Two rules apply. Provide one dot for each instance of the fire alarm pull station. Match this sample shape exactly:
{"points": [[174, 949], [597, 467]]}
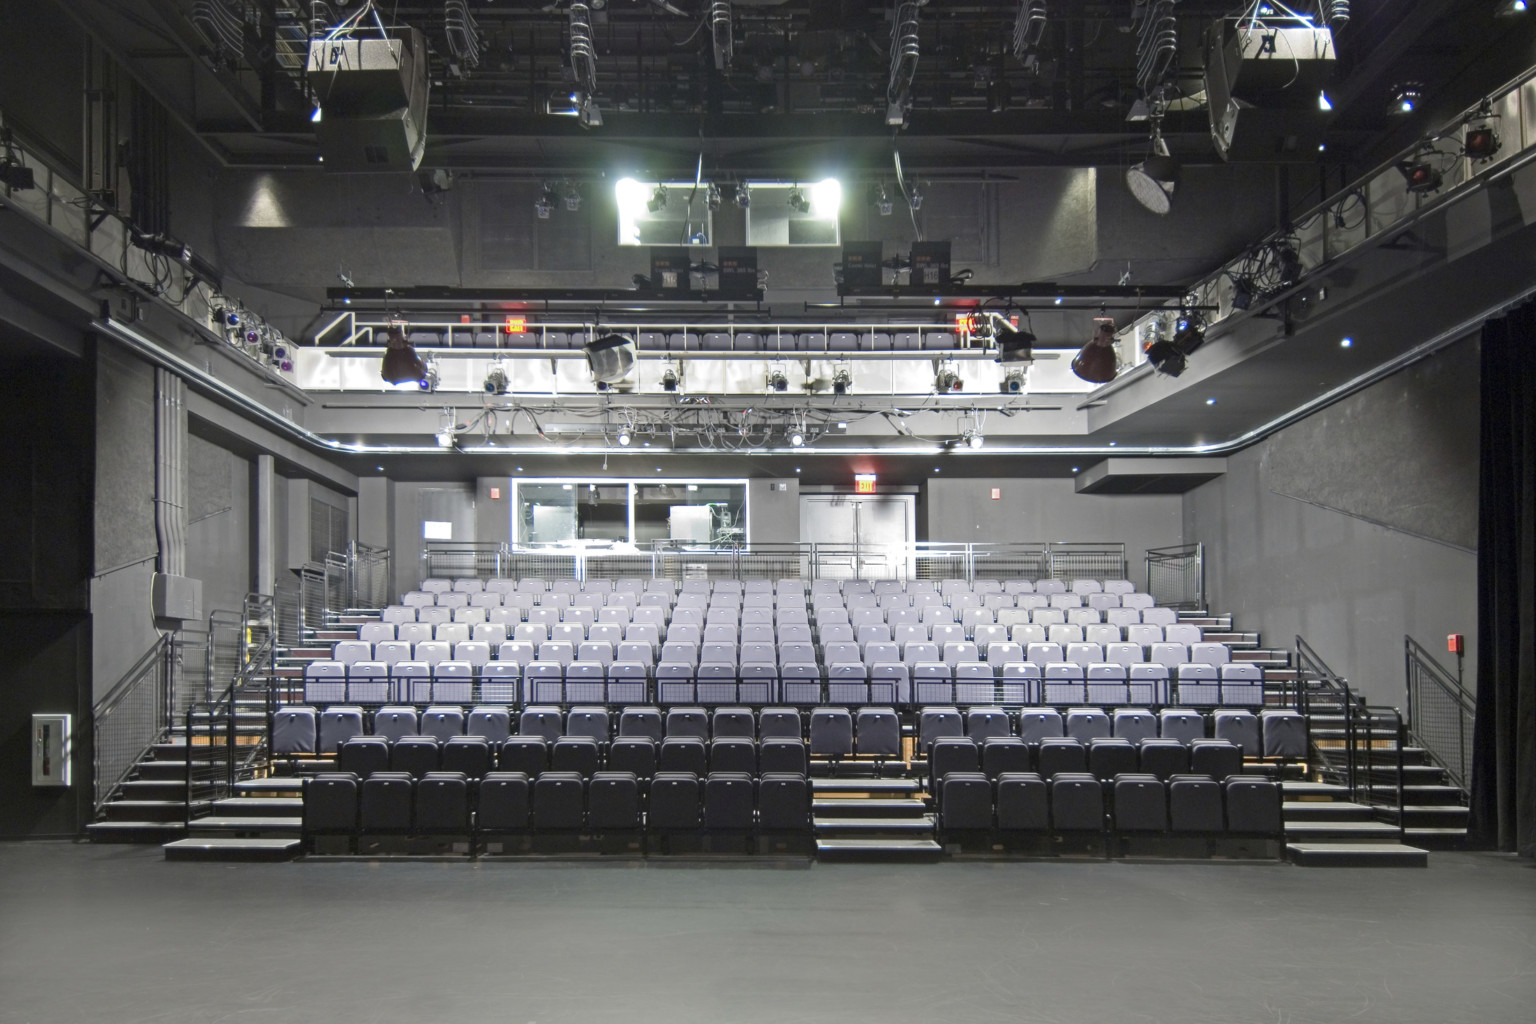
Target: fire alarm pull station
{"points": [[1455, 643], [51, 750]]}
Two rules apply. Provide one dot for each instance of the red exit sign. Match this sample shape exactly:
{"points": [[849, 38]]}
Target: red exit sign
{"points": [[864, 483]]}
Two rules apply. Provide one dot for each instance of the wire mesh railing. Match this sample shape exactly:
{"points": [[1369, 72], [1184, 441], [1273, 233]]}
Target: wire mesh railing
{"points": [[1440, 713], [461, 559], [371, 570], [1176, 576], [218, 752]]}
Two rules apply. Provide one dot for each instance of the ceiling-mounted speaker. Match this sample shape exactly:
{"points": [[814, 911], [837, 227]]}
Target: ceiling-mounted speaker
{"points": [[1262, 86], [373, 97]]}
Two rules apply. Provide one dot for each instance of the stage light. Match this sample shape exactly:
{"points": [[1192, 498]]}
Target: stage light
{"points": [[826, 198], [796, 437], [496, 381], [428, 381], [1346, 342], [915, 198], [777, 381], [1407, 97], [16, 176], [1095, 362], [1242, 292], [1153, 180], [712, 197], [879, 199], [1013, 382], [446, 438], [1171, 355], [610, 357], [572, 196], [842, 380], [401, 364], [545, 204], [670, 379], [974, 439], [743, 196], [1510, 8], [947, 381], [624, 437], [1481, 141], [1014, 345], [658, 200], [797, 201], [1420, 175]]}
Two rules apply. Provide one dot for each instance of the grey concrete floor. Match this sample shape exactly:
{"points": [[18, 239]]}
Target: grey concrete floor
{"points": [[113, 933]]}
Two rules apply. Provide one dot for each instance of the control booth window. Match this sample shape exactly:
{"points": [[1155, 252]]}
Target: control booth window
{"points": [[568, 513], [704, 513]]}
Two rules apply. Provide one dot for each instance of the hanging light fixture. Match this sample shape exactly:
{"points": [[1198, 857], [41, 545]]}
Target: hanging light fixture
{"points": [[1095, 362], [401, 364], [1153, 180]]}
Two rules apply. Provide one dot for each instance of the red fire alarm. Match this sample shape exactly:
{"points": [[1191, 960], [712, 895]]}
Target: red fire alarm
{"points": [[1456, 643], [997, 493], [495, 493]]}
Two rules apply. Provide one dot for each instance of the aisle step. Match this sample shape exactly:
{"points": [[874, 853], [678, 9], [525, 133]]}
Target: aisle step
{"points": [[251, 787], [820, 785], [1349, 831], [893, 849], [854, 807], [248, 823], [828, 825], [258, 806], [1356, 855], [1325, 810], [215, 849], [134, 831]]}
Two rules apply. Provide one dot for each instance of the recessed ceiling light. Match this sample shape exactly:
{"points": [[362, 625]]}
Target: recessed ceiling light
{"points": [[1113, 443], [1346, 342], [658, 469], [1210, 401], [519, 468], [936, 469], [1074, 469], [379, 468], [797, 469]]}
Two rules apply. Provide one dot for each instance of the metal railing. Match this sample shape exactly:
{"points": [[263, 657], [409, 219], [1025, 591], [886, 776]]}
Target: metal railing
{"points": [[216, 757], [1176, 576], [369, 571], [668, 559], [1368, 758], [1440, 713], [131, 718]]}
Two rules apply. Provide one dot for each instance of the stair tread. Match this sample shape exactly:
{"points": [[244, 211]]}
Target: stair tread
{"points": [[1362, 848], [265, 803], [124, 826], [248, 823], [217, 842], [872, 804], [878, 844], [874, 824], [269, 785], [820, 785], [1289, 789], [1361, 827]]}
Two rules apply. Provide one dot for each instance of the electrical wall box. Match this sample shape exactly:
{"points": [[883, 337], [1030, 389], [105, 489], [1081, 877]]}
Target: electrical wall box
{"points": [[51, 750], [176, 597]]}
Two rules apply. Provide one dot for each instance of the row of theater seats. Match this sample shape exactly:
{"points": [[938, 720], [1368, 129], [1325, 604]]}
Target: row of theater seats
{"points": [[970, 802], [533, 755], [447, 803], [789, 652], [831, 732], [1102, 757]]}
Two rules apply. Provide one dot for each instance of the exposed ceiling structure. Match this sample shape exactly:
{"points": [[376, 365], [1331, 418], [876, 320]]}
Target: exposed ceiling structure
{"points": [[766, 88]]}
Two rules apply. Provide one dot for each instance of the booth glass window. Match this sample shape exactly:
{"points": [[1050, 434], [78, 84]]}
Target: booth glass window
{"points": [[568, 513], [704, 513]]}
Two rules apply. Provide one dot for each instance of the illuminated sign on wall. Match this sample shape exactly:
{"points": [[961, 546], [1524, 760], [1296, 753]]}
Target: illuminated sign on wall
{"points": [[864, 483]]}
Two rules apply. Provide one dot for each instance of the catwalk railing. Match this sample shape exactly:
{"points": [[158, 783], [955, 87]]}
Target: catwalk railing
{"points": [[1062, 560], [1366, 757], [1176, 576], [1440, 713]]}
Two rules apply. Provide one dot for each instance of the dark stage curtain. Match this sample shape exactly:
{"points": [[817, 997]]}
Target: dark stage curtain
{"points": [[1504, 741]]}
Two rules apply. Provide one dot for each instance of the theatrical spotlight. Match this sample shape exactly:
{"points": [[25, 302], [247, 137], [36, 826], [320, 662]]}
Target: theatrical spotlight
{"points": [[1014, 344], [947, 381], [1171, 355], [796, 437], [842, 381], [1481, 141], [658, 200], [1013, 382], [712, 197], [915, 198], [670, 379], [1510, 8], [1095, 362], [777, 381], [572, 196], [401, 364], [446, 438], [545, 204], [974, 439], [1407, 97], [880, 199], [1153, 180], [1420, 175], [610, 357], [429, 381], [1242, 292], [624, 437], [496, 381], [797, 201], [743, 196]]}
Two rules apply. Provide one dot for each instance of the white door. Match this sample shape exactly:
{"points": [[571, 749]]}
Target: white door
{"points": [[859, 537]]}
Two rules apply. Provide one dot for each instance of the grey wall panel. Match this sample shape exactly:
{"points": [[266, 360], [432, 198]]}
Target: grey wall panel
{"points": [[963, 510], [1403, 453], [125, 463], [218, 524], [44, 671], [493, 516], [1351, 587], [773, 516], [122, 625]]}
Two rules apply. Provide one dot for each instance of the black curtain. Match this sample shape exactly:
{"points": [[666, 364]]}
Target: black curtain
{"points": [[1504, 741]]}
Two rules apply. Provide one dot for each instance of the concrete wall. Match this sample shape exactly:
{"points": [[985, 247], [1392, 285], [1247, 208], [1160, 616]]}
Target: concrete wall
{"points": [[1284, 562], [219, 524], [962, 510]]}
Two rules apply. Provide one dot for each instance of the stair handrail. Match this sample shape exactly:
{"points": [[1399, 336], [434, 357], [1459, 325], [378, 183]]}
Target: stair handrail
{"points": [[152, 668], [1186, 564], [257, 663], [1426, 680]]}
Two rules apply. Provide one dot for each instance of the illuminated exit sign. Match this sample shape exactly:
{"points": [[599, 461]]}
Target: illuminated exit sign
{"points": [[864, 483], [516, 324]]}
